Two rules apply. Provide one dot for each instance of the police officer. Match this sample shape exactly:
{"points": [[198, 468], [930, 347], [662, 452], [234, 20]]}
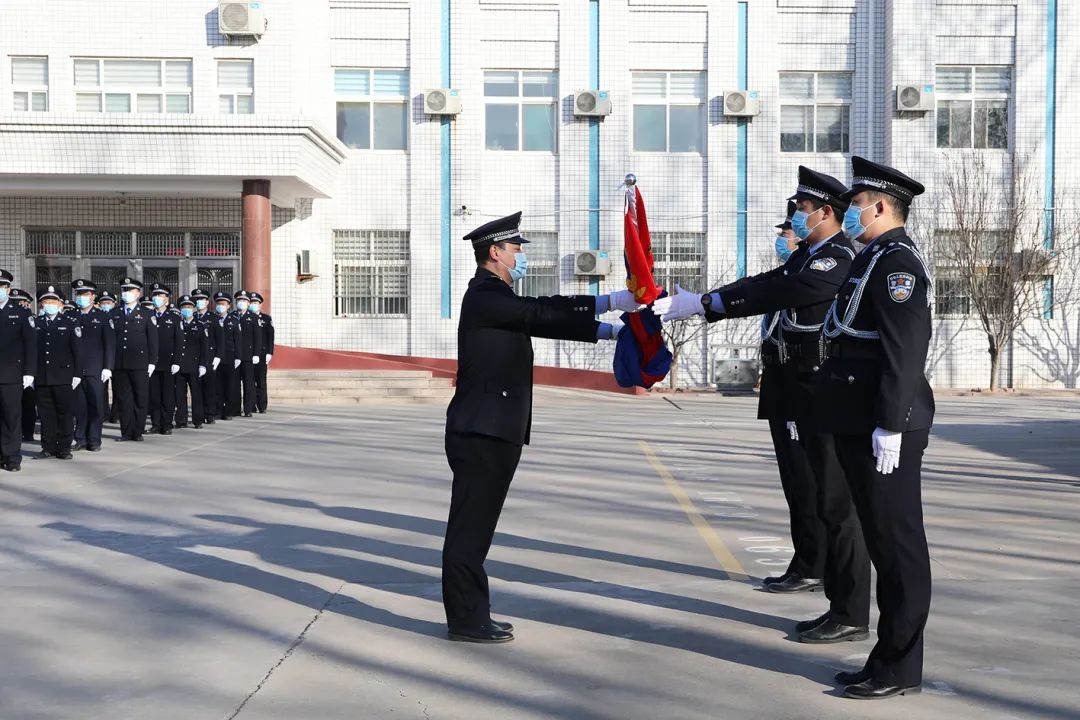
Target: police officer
{"points": [[207, 384], [170, 347], [97, 358], [227, 346], [58, 344], [193, 359], [490, 416], [136, 353], [266, 327], [247, 353], [106, 302], [18, 364], [874, 399], [29, 396]]}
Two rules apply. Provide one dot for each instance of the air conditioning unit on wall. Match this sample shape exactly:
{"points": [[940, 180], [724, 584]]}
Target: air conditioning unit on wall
{"points": [[914, 98], [592, 103], [591, 262], [241, 18], [442, 101], [742, 103]]}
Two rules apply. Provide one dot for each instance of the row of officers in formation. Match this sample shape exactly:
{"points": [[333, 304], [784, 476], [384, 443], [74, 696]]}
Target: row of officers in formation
{"points": [[58, 366]]}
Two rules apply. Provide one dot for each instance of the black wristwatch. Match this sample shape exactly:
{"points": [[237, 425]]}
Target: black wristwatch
{"points": [[706, 302]]}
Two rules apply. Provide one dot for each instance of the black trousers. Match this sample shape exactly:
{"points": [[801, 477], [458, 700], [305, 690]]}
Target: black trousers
{"points": [[208, 391], [162, 399], [11, 423], [29, 413], [890, 509], [483, 468], [225, 374], [260, 386], [55, 403], [800, 491], [188, 382], [132, 389], [89, 410], [243, 378], [847, 564]]}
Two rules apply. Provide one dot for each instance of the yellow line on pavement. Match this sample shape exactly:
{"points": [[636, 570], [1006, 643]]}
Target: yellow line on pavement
{"points": [[720, 551]]}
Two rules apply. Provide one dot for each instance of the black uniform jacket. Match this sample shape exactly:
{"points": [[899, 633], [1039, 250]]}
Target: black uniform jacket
{"points": [[136, 338], [196, 348], [170, 340], [267, 324], [248, 337], [865, 383], [98, 350], [59, 343], [495, 355], [19, 343]]}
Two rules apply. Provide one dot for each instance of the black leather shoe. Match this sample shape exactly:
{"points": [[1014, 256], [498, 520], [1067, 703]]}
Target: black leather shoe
{"points": [[226, 417], [45, 454], [181, 425], [876, 690], [77, 447], [93, 448], [247, 414], [832, 632], [852, 678], [13, 468], [64, 456], [776, 578], [139, 438], [805, 625], [166, 431], [486, 634], [196, 427], [796, 583], [211, 421], [504, 626]]}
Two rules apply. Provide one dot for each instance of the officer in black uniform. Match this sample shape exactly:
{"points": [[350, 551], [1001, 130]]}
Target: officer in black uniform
{"points": [[167, 365], [266, 327], [18, 364], [874, 398], [59, 357], [29, 395], [106, 302], [227, 346], [490, 416], [193, 360], [96, 362], [207, 383], [247, 353], [136, 352]]}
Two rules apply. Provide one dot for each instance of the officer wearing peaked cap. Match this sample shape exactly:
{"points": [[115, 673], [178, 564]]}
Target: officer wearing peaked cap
{"points": [[167, 365], [873, 397], [265, 327], [786, 242], [106, 302], [136, 353], [59, 341], [248, 347], [226, 342], [193, 360], [490, 416], [95, 367], [18, 364], [206, 317]]}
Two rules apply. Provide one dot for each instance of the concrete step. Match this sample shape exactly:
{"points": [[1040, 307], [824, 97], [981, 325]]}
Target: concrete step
{"points": [[345, 383], [347, 374], [357, 387], [359, 392], [338, 400]]}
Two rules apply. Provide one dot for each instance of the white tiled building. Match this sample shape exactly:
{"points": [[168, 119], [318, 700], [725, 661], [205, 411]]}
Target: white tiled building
{"points": [[128, 130]]}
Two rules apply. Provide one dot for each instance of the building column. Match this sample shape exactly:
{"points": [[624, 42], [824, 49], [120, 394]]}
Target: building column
{"points": [[255, 253]]}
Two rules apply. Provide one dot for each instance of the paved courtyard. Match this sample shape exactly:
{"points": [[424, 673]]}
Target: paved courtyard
{"points": [[286, 567]]}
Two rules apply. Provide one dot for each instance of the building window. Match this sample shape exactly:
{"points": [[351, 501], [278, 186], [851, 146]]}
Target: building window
{"points": [[543, 277], [372, 108], [519, 109], [30, 81], [128, 85], [669, 112], [967, 264], [236, 87], [371, 273], [973, 106], [678, 259], [815, 111]]}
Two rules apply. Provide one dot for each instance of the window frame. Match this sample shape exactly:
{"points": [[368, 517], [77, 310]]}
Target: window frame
{"points": [[520, 100], [665, 267], [102, 90], [669, 101], [814, 102], [29, 90], [372, 99], [542, 267], [973, 96], [234, 93], [342, 263]]}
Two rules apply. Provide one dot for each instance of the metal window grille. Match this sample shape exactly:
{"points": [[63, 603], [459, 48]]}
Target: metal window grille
{"points": [[371, 273], [160, 244], [106, 243], [50, 242], [543, 277], [108, 278], [215, 244], [54, 274], [214, 280], [169, 277], [679, 259]]}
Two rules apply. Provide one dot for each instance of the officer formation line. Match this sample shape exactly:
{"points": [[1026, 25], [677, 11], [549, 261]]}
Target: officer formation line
{"points": [[150, 355], [845, 331]]}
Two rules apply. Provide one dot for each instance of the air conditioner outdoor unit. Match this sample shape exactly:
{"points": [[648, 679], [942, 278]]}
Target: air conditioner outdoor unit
{"points": [[742, 103], [592, 103], [914, 98], [241, 18], [591, 262], [442, 101]]}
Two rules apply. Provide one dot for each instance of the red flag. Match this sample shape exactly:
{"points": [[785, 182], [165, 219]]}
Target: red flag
{"points": [[637, 249]]}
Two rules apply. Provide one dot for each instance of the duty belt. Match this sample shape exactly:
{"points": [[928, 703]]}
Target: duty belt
{"points": [[852, 351]]}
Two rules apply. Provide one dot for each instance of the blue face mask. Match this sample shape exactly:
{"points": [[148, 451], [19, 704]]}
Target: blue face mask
{"points": [[200, 304], [158, 300], [521, 266], [51, 309], [83, 301], [128, 296], [255, 307], [222, 309], [799, 226], [853, 226], [782, 250], [242, 306], [106, 306], [187, 313], [4, 294]]}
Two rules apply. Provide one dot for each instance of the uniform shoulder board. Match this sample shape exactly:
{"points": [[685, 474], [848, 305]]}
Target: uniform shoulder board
{"points": [[901, 286], [78, 331], [823, 264]]}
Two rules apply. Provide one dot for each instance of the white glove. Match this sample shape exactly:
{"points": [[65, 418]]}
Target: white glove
{"points": [[886, 450], [27, 381], [202, 370], [623, 301], [217, 361], [106, 375], [236, 363], [793, 430], [173, 369], [680, 305], [268, 356], [149, 370], [75, 382], [254, 359]]}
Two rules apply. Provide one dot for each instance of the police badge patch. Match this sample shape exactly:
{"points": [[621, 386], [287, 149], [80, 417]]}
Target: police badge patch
{"points": [[901, 285], [823, 264]]}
